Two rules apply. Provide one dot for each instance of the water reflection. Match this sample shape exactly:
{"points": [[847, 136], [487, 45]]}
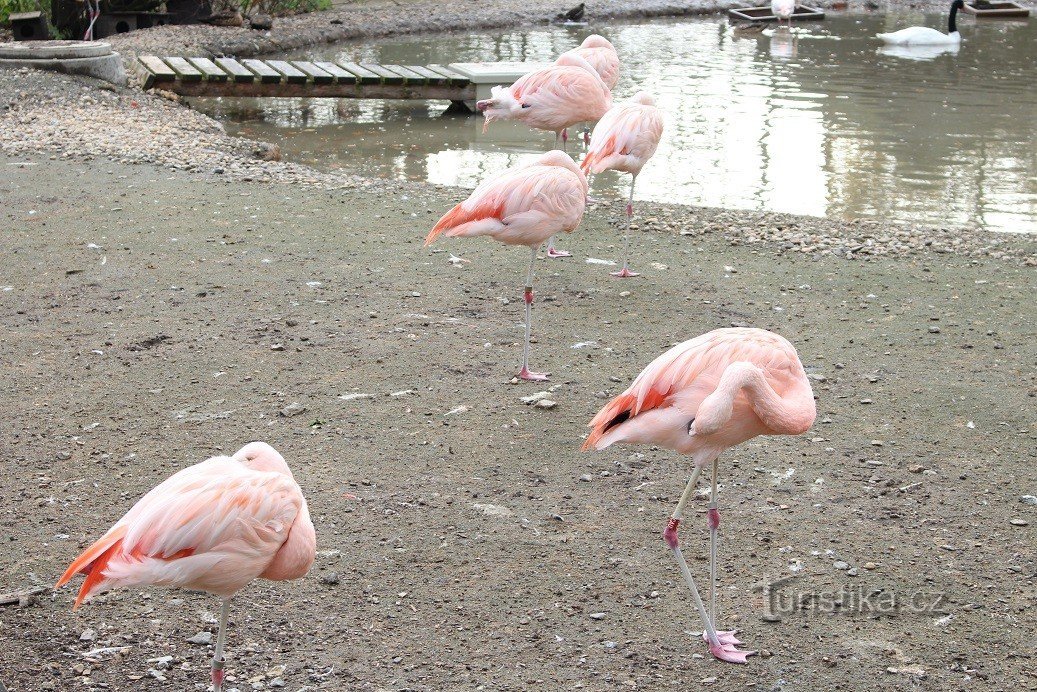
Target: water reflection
{"points": [[813, 122]]}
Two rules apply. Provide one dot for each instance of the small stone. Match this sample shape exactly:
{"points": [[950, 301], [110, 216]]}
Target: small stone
{"points": [[865, 401], [1028, 499], [64, 456], [934, 330], [586, 478], [277, 347], [546, 403], [293, 409], [916, 468], [624, 294], [88, 636], [870, 565], [331, 579], [853, 572], [876, 443], [201, 638], [839, 564], [1019, 522], [770, 617], [597, 616]]}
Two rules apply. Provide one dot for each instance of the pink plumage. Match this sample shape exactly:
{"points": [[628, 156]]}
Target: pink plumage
{"points": [[700, 398], [625, 137], [521, 206], [602, 56], [557, 97]]}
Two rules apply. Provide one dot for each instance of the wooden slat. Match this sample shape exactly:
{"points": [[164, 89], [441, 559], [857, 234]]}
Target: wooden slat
{"points": [[387, 76], [267, 75], [432, 78], [318, 75], [159, 71], [456, 78], [209, 69], [291, 74], [184, 70], [236, 70], [412, 77], [363, 75], [340, 75]]}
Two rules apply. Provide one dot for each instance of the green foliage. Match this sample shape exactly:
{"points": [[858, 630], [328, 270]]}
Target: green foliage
{"points": [[9, 7]]}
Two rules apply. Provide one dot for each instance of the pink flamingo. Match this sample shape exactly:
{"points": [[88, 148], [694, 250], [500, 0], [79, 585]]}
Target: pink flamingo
{"points": [[623, 140], [214, 527], [700, 398], [554, 99], [522, 206], [784, 9], [602, 56]]}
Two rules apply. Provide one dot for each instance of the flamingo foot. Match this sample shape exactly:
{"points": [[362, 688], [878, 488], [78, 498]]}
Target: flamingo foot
{"points": [[555, 254], [624, 273], [530, 376], [726, 648]]}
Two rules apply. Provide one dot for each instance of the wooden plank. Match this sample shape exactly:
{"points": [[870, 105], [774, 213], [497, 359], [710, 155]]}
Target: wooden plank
{"points": [[311, 90], [410, 75], [266, 74], [340, 75], [363, 75], [387, 76], [236, 70], [209, 69], [456, 78], [185, 70], [158, 71], [316, 74], [291, 74], [431, 78]]}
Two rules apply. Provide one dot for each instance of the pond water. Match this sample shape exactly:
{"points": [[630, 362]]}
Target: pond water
{"points": [[822, 122]]}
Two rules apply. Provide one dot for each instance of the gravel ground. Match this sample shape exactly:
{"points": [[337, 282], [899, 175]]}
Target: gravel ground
{"points": [[154, 317]]}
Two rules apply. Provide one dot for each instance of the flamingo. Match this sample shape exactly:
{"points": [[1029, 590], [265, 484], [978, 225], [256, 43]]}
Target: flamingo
{"points": [[213, 527], [700, 398], [623, 140], [524, 205], [553, 99], [602, 56], [783, 9]]}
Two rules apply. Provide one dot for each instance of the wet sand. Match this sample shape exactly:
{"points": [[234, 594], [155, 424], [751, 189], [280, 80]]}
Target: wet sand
{"points": [[462, 549]]}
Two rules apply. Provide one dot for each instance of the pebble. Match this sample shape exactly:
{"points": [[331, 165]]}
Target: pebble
{"points": [[597, 616], [870, 565], [546, 403], [331, 579], [934, 330], [839, 564], [1019, 522], [586, 478], [201, 638], [88, 636], [770, 617], [1028, 499], [293, 409], [277, 347]]}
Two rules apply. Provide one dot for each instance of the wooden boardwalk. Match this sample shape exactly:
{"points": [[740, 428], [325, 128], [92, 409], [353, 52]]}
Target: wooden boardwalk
{"points": [[295, 78]]}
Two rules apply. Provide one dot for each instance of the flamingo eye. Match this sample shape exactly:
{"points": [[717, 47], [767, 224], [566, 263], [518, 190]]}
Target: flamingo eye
{"points": [[690, 423], [525, 105]]}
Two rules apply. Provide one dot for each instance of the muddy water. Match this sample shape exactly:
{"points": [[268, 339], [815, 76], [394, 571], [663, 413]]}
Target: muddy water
{"points": [[820, 122]]}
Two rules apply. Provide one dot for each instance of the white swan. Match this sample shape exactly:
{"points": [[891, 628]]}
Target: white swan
{"points": [[924, 36]]}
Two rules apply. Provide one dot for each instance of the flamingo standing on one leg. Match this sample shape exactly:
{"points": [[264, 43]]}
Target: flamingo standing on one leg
{"points": [[522, 206], [214, 527], [623, 140], [553, 99], [784, 9], [699, 398]]}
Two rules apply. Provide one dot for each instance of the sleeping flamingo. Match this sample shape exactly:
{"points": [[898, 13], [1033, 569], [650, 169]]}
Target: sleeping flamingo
{"points": [[553, 99], [524, 205], [784, 9], [700, 398], [623, 140], [602, 56], [214, 527]]}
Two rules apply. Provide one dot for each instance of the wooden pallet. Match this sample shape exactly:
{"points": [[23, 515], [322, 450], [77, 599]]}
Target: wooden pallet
{"points": [[764, 14], [317, 79], [1006, 9]]}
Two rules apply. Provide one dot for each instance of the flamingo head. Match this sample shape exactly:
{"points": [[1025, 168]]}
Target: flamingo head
{"points": [[259, 456], [643, 98], [596, 41]]}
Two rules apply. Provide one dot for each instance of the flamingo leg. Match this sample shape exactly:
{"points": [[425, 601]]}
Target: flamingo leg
{"points": [[554, 253], [221, 640], [565, 138], [625, 271], [723, 645], [713, 520], [525, 373]]}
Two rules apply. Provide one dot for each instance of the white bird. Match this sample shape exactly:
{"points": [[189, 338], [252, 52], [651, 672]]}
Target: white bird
{"points": [[783, 9], [925, 36]]}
